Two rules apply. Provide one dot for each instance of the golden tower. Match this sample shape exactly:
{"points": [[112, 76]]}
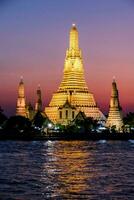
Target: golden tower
{"points": [[115, 115], [73, 87], [21, 104], [38, 105]]}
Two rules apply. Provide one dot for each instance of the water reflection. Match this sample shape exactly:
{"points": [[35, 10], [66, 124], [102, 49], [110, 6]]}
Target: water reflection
{"points": [[66, 170]]}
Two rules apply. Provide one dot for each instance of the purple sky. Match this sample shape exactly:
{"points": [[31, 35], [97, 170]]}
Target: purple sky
{"points": [[34, 37]]}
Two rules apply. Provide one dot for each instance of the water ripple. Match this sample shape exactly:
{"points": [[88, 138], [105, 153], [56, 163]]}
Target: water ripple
{"points": [[66, 170]]}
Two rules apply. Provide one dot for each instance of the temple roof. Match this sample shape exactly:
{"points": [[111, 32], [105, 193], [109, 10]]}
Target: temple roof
{"points": [[67, 105]]}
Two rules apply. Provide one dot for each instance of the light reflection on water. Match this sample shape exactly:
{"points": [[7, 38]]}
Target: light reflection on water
{"points": [[66, 170]]}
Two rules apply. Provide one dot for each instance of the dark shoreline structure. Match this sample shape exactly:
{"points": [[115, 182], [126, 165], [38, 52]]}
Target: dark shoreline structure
{"points": [[82, 128], [66, 135]]}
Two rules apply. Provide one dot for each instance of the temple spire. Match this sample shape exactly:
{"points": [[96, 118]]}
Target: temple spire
{"points": [[38, 105], [74, 38], [21, 78], [21, 105], [115, 115], [73, 76], [73, 87]]}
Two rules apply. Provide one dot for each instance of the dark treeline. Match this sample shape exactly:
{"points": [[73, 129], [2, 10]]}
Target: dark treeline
{"points": [[21, 128]]}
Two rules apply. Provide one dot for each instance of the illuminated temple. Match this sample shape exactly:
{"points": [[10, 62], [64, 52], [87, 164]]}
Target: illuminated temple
{"points": [[24, 109], [73, 95], [21, 102], [115, 115]]}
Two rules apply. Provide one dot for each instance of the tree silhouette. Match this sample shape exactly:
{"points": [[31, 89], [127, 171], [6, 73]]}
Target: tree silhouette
{"points": [[129, 119], [18, 122], [3, 117], [38, 120]]}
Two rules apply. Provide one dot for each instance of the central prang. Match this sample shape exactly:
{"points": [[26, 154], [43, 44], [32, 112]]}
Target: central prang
{"points": [[73, 95]]}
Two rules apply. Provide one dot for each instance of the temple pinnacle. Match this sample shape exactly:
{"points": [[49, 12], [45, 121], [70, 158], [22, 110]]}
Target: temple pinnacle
{"points": [[38, 105], [39, 86], [114, 78], [115, 116], [74, 38], [21, 78], [21, 105]]}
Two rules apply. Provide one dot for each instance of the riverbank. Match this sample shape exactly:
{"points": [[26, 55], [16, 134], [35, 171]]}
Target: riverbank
{"points": [[36, 135]]}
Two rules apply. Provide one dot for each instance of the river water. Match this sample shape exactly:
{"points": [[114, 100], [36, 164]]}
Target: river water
{"points": [[66, 170]]}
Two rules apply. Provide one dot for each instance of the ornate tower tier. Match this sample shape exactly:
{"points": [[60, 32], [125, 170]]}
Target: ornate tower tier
{"points": [[21, 105], [115, 115], [73, 78], [73, 86]]}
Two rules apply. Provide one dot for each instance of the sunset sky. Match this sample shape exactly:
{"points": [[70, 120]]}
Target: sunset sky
{"points": [[34, 36]]}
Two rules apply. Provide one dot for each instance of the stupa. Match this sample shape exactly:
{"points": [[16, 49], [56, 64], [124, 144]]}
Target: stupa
{"points": [[114, 119], [38, 104], [73, 88], [21, 102]]}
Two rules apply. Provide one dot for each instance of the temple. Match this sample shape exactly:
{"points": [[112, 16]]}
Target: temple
{"points": [[73, 96], [114, 119], [38, 105], [26, 109], [21, 102]]}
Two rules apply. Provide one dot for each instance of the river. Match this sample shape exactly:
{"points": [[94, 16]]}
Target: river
{"points": [[41, 170]]}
